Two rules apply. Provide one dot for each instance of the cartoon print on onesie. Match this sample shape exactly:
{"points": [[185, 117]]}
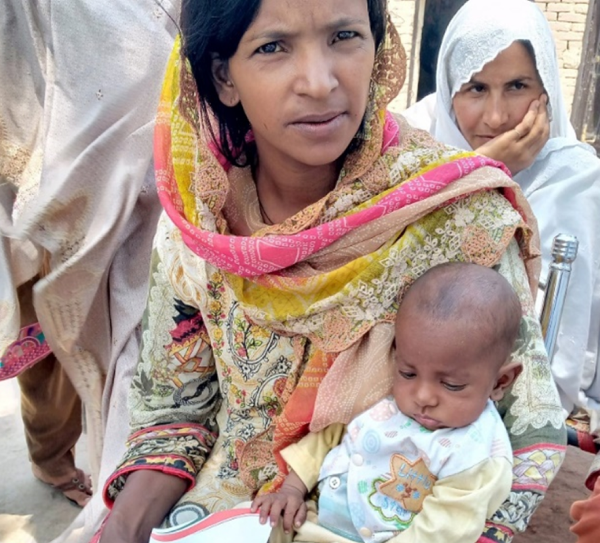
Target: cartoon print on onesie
{"points": [[399, 497]]}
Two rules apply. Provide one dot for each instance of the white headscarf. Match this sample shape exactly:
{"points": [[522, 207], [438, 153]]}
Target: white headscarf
{"points": [[477, 34], [562, 185]]}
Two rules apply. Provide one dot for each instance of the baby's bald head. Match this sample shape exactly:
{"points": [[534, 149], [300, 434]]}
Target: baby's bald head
{"points": [[469, 294]]}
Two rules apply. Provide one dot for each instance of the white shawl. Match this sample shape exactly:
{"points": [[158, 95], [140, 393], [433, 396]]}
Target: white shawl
{"points": [[562, 185]]}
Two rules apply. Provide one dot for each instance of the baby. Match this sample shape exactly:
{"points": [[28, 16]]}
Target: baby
{"points": [[432, 461]]}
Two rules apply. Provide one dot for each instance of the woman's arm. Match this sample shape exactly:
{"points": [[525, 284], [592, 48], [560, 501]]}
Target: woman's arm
{"points": [[173, 401], [532, 414], [567, 201], [134, 515]]}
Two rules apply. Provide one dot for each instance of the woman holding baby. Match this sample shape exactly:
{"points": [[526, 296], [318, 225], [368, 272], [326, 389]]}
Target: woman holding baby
{"points": [[297, 212]]}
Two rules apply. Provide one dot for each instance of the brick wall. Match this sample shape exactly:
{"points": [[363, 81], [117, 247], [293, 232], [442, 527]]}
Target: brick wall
{"points": [[566, 17]]}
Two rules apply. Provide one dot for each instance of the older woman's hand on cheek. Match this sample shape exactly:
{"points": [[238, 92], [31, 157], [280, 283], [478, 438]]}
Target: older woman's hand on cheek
{"points": [[518, 147]]}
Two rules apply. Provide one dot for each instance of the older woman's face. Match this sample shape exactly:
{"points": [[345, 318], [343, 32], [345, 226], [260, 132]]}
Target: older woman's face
{"points": [[497, 98]]}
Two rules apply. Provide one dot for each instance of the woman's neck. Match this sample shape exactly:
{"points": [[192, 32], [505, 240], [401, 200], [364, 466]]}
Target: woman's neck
{"points": [[285, 189]]}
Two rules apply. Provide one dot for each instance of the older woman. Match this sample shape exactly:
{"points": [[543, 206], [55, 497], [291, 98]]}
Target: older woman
{"points": [[497, 69], [296, 212]]}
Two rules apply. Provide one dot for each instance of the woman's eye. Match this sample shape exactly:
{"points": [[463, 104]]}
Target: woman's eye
{"points": [[518, 85], [406, 374], [345, 35], [477, 89], [454, 388], [269, 48]]}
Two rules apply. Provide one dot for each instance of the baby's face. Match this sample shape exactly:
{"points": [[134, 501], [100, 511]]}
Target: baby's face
{"points": [[444, 375]]}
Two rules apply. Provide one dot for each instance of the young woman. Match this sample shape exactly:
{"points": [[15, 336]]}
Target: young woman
{"points": [[495, 73], [296, 211]]}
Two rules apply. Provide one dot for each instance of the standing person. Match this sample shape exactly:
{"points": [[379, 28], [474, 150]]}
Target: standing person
{"points": [[50, 406], [296, 212], [495, 74], [78, 96], [434, 457]]}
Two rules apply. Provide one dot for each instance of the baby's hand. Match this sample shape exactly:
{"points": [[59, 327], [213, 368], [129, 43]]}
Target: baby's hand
{"points": [[519, 147], [288, 501]]}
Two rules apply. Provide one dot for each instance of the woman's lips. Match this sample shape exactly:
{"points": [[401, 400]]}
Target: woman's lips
{"points": [[318, 117], [319, 126]]}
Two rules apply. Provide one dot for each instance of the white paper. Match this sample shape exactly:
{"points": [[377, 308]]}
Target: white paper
{"points": [[232, 526]]}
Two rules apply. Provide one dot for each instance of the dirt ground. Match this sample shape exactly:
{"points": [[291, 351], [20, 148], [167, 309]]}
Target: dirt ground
{"points": [[551, 522]]}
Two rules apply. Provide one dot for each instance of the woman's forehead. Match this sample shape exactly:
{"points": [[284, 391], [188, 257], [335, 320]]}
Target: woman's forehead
{"points": [[514, 62], [482, 29], [289, 17]]}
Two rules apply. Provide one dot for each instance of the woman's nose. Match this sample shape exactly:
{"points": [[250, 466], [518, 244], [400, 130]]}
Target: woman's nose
{"points": [[315, 74], [496, 113]]}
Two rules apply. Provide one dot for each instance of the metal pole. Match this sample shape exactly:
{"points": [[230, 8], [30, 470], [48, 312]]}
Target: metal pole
{"points": [[564, 252]]}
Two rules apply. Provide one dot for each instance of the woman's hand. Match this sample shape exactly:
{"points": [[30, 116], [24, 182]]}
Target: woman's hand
{"points": [[141, 506], [288, 501], [518, 147]]}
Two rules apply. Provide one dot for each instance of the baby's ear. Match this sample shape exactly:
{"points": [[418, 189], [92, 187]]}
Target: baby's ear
{"points": [[226, 90], [506, 377]]}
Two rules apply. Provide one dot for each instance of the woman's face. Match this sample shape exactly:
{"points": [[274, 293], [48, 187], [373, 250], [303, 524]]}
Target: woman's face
{"points": [[497, 98], [302, 73]]}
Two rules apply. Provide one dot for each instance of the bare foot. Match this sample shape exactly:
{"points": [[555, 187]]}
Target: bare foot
{"points": [[77, 488]]}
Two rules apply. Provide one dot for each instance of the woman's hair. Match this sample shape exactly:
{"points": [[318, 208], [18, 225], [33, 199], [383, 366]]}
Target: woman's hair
{"points": [[531, 52], [213, 29], [529, 47]]}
